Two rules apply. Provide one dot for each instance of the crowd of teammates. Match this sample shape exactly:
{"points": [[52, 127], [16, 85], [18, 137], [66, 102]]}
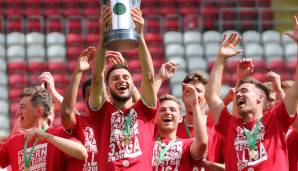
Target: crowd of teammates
{"points": [[124, 128]]}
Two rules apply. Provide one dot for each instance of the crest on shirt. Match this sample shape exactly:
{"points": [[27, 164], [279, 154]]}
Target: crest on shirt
{"points": [[119, 148], [245, 156]]}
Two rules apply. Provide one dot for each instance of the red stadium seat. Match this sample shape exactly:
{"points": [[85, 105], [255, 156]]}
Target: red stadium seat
{"points": [[73, 52], [34, 24], [137, 77], [260, 76], [61, 80], [92, 24], [18, 80], [259, 66], [157, 52], [33, 8], [154, 39], [188, 7], [52, 7], [74, 24], [13, 107], [247, 3], [92, 39], [172, 23], [74, 40], [168, 9], [134, 64], [72, 7], [90, 8], [37, 67], [264, 3], [209, 16], [153, 24], [14, 8], [277, 65], [226, 78], [2, 24], [231, 66], [15, 24], [14, 93], [16, 67], [55, 24], [149, 10], [57, 67]]}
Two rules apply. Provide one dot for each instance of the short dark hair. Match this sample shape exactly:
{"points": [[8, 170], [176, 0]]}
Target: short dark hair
{"points": [[166, 97], [196, 76], [257, 83], [39, 97], [114, 67], [86, 84]]}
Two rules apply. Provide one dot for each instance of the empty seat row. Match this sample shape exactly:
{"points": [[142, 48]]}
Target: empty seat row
{"points": [[33, 38], [35, 53], [212, 36]]}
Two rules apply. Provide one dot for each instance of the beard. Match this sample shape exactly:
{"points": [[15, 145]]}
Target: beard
{"points": [[123, 98]]}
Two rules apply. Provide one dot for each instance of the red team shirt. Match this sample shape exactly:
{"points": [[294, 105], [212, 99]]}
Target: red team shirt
{"points": [[45, 155], [84, 131], [178, 157], [292, 140], [271, 141], [215, 141], [110, 126]]}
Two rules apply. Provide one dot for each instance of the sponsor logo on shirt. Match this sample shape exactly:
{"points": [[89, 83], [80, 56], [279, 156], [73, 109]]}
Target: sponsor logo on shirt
{"points": [[38, 160], [118, 148], [172, 158], [90, 144], [244, 157]]}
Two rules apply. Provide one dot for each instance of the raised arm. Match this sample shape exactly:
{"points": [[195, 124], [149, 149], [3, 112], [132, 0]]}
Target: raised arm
{"points": [[226, 50], [47, 80], [148, 93], [166, 71], [97, 90], [274, 78], [199, 146], [291, 97], [69, 101], [69, 147]]}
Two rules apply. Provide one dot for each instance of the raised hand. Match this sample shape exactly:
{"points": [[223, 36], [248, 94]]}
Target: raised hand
{"points": [[294, 34], [190, 95], [275, 79], [115, 57], [245, 68], [136, 14], [47, 79], [35, 133], [105, 18], [85, 56], [167, 70], [228, 46]]}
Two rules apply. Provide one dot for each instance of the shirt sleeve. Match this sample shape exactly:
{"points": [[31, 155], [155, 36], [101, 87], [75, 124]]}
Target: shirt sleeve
{"points": [[148, 111], [224, 121], [4, 155], [283, 116], [98, 114]]}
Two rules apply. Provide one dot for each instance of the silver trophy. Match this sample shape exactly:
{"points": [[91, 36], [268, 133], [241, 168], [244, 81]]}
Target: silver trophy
{"points": [[121, 35]]}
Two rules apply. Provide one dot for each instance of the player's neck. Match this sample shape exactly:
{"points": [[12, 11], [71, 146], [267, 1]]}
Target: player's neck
{"points": [[249, 117], [123, 104], [168, 134]]}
